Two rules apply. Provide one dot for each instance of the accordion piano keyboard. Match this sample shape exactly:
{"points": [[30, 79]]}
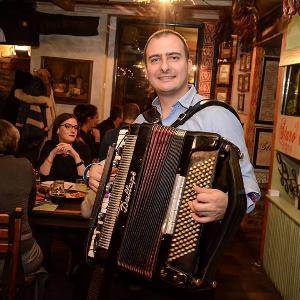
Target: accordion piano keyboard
{"points": [[114, 200]]}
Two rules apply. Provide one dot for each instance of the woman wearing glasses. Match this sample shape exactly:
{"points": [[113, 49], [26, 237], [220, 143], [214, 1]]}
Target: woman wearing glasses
{"points": [[63, 157]]}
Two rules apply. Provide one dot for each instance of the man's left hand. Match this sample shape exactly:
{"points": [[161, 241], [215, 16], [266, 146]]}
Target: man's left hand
{"points": [[210, 205]]}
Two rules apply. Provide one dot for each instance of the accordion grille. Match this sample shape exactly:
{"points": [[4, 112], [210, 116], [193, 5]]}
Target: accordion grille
{"points": [[140, 246], [187, 230]]}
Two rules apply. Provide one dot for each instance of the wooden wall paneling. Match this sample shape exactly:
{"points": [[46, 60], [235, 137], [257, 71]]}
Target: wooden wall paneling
{"points": [[257, 62]]}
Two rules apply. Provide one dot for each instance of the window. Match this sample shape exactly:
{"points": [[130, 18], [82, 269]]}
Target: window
{"points": [[130, 83]]}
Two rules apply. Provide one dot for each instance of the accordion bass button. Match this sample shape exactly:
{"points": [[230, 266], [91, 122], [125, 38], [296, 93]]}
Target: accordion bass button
{"points": [[179, 279], [197, 282], [163, 273]]}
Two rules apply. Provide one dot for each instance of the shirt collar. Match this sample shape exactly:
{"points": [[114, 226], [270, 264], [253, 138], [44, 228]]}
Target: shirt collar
{"points": [[186, 100]]}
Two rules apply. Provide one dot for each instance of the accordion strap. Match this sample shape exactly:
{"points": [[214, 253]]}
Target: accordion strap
{"points": [[152, 115]]}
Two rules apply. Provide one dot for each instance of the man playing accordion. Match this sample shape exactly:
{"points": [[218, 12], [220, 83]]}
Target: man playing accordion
{"points": [[167, 66]]}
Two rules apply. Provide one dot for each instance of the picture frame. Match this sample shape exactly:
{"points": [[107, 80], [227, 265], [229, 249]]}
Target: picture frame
{"points": [[241, 102], [223, 75], [221, 93], [245, 62], [262, 148], [225, 51], [267, 93], [241, 83], [71, 79], [246, 82]]}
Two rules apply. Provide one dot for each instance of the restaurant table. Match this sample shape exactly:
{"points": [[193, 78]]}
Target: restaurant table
{"points": [[67, 214], [65, 224]]}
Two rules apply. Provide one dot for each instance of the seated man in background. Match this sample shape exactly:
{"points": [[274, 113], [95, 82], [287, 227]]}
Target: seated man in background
{"points": [[17, 189], [114, 120], [130, 113]]}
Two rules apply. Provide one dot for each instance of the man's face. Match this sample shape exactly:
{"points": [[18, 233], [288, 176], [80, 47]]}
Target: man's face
{"points": [[167, 66]]}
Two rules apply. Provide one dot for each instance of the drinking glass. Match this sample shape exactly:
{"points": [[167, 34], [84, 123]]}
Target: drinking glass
{"points": [[57, 191], [80, 185], [37, 177]]}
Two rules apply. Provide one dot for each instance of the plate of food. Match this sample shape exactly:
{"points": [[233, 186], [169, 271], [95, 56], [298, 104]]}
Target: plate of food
{"points": [[67, 185], [74, 195]]}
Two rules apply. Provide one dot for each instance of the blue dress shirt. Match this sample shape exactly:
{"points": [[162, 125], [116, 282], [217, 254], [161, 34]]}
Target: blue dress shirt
{"points": [[219, 120]]}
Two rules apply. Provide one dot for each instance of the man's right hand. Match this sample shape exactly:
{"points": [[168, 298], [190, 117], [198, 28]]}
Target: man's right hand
{"points": [[95, 175]]}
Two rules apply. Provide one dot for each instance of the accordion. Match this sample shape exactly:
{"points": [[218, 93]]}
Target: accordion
{"points": [[141, 221]]}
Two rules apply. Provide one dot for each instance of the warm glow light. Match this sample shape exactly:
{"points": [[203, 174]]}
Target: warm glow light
{"points": [[21, 50], [194, 68]]}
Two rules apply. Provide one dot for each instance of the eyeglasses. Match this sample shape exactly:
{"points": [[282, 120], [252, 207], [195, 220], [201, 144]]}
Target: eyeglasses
{"points": [[70, 126]]}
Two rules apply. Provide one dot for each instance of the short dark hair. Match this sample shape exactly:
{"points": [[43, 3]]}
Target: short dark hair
{"points": [[9, 137], [163, 32], [58, 121], [131, 111], [84, 111], [116, 112]]}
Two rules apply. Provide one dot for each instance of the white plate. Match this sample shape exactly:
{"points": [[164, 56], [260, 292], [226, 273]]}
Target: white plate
{"points": [[67, 184]]}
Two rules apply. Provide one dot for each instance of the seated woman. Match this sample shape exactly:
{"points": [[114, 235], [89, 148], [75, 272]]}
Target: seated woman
{"points": [[63, 157], [17, 189], [87, 116]]}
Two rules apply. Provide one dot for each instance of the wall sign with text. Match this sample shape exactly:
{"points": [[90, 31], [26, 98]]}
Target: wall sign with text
{"points": [[262, 148], [288, 136]]}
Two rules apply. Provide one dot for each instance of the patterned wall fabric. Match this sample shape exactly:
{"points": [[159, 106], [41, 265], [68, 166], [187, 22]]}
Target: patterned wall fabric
{"points": [[206, 61]]}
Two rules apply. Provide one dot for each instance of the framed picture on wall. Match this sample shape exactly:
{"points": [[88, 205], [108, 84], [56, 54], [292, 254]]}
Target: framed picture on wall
{"points": [[223, 75], [242, 62], [267, 94], [262, 148], [71, 79], [241, 102], [221, 93], [241, 82], [247, 59], [246, 82], [225, 51]]}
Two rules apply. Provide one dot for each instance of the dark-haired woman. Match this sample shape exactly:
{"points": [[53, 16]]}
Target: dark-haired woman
{"points": [[17, 189], [63, 157], [87, 116]]}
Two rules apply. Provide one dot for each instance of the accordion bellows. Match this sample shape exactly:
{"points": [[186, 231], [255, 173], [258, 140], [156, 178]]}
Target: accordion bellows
{"points": [[142, 223]]}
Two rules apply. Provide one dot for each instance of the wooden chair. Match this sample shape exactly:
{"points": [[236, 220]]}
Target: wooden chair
{"points": [[10, 235]]}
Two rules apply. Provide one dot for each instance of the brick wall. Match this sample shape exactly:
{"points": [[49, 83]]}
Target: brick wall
{"points": [[8, 66]]}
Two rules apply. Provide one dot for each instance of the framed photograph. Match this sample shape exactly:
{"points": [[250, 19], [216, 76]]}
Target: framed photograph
{"points": [[225, 51], [241, 82], [241, 102], [223, 76], [262, 148], [221, 93], [247, 59], [243, 62], [267, 93], [71, 79], [246, 82]]}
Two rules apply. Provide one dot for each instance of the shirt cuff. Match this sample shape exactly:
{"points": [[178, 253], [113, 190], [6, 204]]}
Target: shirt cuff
{"points": [[252, 198]]}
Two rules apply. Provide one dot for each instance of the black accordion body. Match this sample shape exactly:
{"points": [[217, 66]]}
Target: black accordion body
{"points": [[142, 224]]}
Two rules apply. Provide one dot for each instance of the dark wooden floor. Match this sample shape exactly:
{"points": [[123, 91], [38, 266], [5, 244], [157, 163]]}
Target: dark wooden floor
{"points": [[240, 277]]}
